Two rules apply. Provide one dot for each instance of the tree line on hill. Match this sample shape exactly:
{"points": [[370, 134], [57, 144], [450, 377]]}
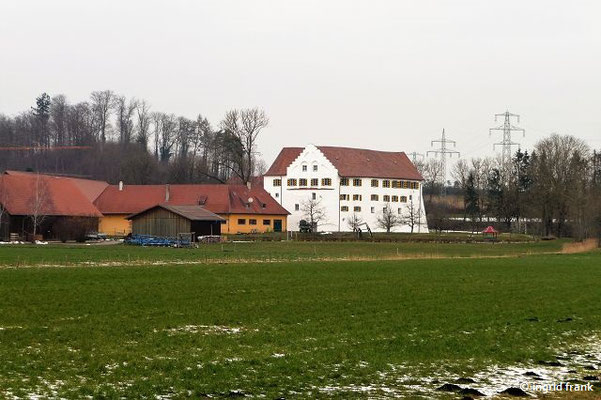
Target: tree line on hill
{"points": [[113, 138], [553, 190]]}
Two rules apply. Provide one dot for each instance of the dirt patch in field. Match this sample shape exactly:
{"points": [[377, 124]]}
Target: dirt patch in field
{"points": [[580, 247]]}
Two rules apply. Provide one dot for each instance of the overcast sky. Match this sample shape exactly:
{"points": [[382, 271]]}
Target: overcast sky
{"points": [[375, 74]]}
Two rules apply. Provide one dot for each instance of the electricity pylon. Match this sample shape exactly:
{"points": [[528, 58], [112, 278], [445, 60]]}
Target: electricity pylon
{"points": [[507, 128], [442, 152], [415, 155]]}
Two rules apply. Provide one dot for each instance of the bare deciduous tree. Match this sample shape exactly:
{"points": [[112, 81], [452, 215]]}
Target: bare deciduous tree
{"points": [[410, 215], [37, 203], [460, 172], [432, 173], [354, 222], [144, 117], [102, 102], [559, 164], [314, 212], [59, 110], [3, 213], [167, 137], [245, 126], [125, 113], [157, 121], [388, 219]]}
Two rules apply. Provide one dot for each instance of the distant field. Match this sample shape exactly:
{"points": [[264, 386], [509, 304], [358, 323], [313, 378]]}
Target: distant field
{"points": [[16, 255], [305, 329]]}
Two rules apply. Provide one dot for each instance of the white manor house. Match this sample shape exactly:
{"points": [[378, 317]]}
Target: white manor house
{"points": [[349, 184]]}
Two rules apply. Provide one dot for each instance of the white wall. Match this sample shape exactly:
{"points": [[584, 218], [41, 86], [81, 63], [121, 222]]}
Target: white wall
{"points": [[366, 205], [291, 197], [336, 220]]}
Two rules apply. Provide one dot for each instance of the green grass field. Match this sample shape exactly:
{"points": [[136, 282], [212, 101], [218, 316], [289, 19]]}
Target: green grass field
{"points": [[303, 329], [26, 255]]}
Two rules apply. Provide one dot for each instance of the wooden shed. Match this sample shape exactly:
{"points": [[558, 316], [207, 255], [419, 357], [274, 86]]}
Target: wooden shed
{"points": [[166, 220]]}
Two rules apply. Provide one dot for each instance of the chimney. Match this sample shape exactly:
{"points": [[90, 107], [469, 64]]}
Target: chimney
{"points": [[248, 185], [120, 186], [166, 193]]}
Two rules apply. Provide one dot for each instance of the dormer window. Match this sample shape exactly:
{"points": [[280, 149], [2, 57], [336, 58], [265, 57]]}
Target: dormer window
{"points": [[314, 167], [304, 167]]}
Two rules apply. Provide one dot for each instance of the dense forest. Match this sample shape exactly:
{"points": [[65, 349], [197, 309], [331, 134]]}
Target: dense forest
{"points": [[113, 138]]}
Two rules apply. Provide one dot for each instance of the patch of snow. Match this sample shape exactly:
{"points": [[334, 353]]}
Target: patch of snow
{"points": [[205, 330], [4, 328]]}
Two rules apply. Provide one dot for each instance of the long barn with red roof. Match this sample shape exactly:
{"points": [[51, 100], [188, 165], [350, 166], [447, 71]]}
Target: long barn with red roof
{"points": [[55, 204]]}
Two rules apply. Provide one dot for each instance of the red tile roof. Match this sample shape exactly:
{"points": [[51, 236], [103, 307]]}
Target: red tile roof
{"points": [[90, 188], [352, 162], [220, 199], [57, 196], [283, 160]]}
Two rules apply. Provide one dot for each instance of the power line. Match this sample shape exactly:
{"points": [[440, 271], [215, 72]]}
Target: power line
{"points": [[442, 152], [38, 148], [507, 128]]}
